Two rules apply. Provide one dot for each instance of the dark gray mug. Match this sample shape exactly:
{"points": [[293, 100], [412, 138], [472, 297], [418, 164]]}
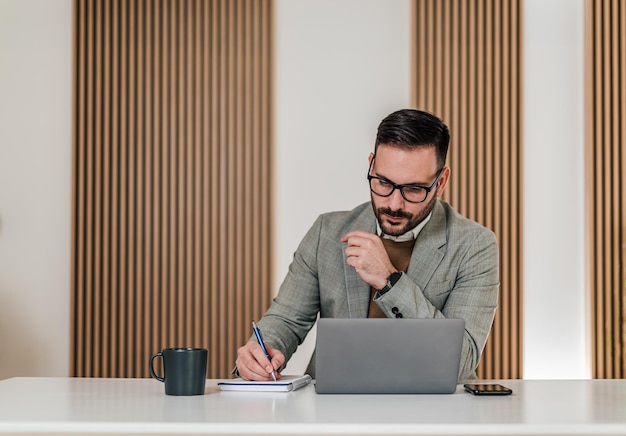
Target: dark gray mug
{"points": [[184, 370]]}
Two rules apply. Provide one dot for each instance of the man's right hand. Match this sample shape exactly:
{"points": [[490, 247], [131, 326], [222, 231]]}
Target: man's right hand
{"points": [[252, 362]]}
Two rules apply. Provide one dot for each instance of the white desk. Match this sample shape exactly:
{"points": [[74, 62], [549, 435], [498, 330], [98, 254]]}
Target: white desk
{"points": [[139, 406]]}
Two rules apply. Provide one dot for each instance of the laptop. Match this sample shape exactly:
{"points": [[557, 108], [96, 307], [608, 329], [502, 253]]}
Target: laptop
{"points": [[388, 356]]}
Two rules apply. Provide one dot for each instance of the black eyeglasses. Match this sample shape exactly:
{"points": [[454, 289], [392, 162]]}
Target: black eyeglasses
{"points": [[411, 193]]}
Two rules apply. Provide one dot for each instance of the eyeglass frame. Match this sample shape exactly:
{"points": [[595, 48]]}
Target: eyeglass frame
{"points": [[399, 186]]}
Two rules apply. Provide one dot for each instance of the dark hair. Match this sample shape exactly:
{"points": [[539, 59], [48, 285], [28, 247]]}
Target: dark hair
{"points": [[413, 128]]}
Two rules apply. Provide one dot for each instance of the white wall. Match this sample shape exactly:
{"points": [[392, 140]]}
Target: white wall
{"points": [[555, 312], [35, 186], [341, 66]]}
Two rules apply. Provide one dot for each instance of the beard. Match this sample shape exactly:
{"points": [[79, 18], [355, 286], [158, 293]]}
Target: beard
{"points": [[412, 220]]}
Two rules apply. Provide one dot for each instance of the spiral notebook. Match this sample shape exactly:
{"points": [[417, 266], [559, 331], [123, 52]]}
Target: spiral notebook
{"points": [[286, 383]]}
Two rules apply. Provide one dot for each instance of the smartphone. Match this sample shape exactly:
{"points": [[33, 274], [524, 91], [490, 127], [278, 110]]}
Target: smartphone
{"points": [[487, 389]]}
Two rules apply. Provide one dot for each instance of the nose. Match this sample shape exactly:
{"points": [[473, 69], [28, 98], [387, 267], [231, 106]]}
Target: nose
{"points": [[396, 200]]}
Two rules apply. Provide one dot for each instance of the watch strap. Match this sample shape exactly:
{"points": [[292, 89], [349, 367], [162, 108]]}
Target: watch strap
{"points": [[391, 281]]}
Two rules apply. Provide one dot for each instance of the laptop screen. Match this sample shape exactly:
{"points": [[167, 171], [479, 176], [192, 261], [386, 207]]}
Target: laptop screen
{"points": [[388, 356]]}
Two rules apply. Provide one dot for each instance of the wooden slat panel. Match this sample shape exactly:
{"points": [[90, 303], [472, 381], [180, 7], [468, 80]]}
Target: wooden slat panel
{"points": [[605, 92], [474, 83], [172, 142]]}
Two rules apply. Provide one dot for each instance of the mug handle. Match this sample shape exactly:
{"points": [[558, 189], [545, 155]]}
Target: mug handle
{"points": [[151, 366]]}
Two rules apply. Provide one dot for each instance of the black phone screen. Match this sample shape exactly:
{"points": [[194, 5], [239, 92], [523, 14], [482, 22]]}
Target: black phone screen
{"points": [[487, 389]]}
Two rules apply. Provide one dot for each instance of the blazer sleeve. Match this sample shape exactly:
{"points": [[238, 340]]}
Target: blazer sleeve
{"points": [[294, 310], [470, 293]]}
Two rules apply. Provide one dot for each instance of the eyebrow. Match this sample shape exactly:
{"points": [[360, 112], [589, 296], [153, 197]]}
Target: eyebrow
{"points": [[416, 184]]}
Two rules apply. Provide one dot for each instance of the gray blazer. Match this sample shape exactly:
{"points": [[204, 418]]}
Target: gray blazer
{"points": [[453, 273]]}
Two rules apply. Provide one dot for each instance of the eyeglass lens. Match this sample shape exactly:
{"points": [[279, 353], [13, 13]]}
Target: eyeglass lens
{"points": [[414, 194]]}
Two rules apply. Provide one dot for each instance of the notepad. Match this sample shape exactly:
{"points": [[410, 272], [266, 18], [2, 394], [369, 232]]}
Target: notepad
{"points": [[285, 384]]}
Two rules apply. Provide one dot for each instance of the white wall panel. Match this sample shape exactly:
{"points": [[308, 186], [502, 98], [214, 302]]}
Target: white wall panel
{"points": [[35, 186], [555, 313]]}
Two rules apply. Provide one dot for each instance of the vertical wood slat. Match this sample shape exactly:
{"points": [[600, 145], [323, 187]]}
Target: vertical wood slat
{"points": [[605, 152], [171, 219], [479, 40]]}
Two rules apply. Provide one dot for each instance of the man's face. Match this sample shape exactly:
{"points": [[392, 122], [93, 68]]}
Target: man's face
{"points": [[396, 215]]}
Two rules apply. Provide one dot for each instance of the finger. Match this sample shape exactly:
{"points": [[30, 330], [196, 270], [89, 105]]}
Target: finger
{"points": [[366, 240], [353, 262], [360, 249], [355, 241], [252, 371], [248, 373], [248, 364], [263, 361], [353, 251], [355, 234], [259, 362], [278, 359]]}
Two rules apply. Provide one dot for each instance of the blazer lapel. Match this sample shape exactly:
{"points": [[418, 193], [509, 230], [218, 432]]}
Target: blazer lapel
{"points": [[358, 292], [429, 248]]}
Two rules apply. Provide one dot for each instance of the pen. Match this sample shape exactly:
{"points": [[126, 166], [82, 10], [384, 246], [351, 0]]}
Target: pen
{"points": [[259, 339]]}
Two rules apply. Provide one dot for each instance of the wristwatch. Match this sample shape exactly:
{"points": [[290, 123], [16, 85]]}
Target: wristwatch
{"points": [[391, 280]]}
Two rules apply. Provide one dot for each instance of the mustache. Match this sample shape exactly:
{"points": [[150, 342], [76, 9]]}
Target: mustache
{"points": [[394, 213]]}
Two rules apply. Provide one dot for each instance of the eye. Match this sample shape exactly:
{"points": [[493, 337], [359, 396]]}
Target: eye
{"points": [[410, 189], [384, 183]]}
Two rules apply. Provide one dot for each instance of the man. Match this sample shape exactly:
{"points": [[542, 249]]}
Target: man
{"points": [[406, 253]]}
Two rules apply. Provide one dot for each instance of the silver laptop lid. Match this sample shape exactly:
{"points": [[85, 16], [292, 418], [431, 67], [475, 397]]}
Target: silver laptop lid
{"points": [[388, 356]]}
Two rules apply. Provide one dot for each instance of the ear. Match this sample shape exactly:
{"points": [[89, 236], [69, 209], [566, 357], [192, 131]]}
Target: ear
{"points": [[443, 181], [369, 159]]}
